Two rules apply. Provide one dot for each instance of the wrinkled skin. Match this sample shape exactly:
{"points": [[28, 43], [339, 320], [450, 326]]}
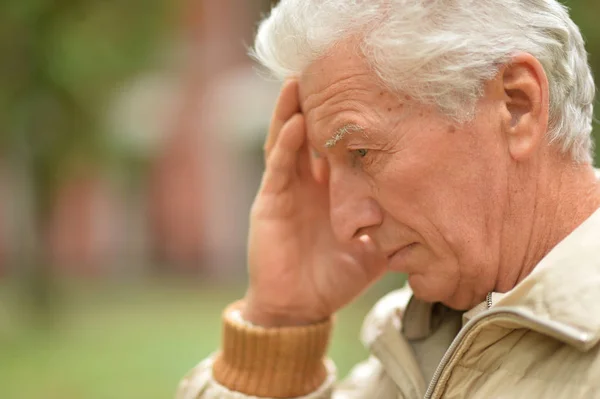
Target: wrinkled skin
{"points": [[299, 272], [463, 209]]}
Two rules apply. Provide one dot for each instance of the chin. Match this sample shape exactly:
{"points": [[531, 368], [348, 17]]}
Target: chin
{"points": [[434, 290]]}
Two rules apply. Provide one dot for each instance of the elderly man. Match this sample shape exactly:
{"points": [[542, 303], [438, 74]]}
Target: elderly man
{"points": [[448, 140]]}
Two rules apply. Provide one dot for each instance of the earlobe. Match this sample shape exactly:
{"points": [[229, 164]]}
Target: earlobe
{"points": [[526, 91]]}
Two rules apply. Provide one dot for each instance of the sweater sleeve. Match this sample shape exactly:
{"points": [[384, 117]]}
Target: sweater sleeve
{"points": [[264, 362], [278, 363]]}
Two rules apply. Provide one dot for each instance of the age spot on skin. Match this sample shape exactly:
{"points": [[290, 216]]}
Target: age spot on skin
{"points": [[452, 129]]}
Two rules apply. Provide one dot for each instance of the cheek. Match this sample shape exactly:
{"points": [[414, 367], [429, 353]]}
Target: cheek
{"points": [[440, 180], [436, 193], [407, 191]]}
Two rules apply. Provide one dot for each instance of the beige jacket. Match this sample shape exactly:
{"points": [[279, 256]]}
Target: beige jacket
{"points": [[541, 340]]}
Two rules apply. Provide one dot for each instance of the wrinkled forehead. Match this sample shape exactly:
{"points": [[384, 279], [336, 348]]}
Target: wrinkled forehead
{"points": [[342, 68], [337, 91], [341, 93]]}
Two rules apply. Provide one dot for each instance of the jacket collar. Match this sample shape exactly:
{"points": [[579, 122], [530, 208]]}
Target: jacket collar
{"points": [[561, 296], [563, 291]]}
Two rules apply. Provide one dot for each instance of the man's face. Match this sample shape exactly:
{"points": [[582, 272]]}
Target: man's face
{"points": [[430, 192]]}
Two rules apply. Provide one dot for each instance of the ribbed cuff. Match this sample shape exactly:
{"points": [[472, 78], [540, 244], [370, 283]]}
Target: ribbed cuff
{"points": [[271, 362]]}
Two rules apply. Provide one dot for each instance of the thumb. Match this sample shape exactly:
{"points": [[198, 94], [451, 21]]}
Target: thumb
{"points": [[373, 259]]}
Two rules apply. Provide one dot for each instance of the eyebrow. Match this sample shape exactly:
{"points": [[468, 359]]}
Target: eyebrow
{"points": [[342, 132]]}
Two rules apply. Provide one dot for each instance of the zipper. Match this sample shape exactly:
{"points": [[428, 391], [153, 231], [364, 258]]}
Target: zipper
{"points": [[567, 334]]}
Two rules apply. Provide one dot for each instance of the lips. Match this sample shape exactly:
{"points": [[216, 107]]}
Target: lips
{"points": [[392, 253]]}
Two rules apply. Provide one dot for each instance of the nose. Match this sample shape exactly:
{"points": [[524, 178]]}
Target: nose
{"points": [[352, 207]]}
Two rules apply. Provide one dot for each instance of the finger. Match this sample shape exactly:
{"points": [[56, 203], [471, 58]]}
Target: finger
{"points": [[303, 166], [318, 167], [283, 162], [287, 105], [373, 259]]}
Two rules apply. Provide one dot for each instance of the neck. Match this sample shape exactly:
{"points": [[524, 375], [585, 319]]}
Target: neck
{"points": [[546, 210]]}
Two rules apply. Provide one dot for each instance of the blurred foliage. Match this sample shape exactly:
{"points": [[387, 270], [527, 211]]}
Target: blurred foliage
{"points": [[61, 62], [585, 14]]}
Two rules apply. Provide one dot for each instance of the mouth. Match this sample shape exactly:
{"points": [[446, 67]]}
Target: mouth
{"points": [[393, 253]]}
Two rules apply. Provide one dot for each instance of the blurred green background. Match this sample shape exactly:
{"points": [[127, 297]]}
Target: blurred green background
{"points": [[125, 185]]}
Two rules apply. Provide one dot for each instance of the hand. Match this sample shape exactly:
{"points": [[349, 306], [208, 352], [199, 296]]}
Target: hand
{"points": [[299, 273]]}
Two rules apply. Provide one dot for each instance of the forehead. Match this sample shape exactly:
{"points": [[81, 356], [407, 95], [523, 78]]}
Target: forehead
{"points": [[341, 68], [334, 77], [340, 89]]}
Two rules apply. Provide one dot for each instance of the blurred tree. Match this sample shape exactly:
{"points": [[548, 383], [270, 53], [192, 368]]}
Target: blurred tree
{"points": [[585, 14], [61, 62]]}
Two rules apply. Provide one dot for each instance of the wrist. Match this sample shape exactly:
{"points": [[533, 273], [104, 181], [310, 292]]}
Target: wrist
{"points": [[271, 317]]}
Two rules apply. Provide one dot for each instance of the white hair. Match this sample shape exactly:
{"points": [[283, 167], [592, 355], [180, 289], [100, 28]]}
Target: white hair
{"points": [[443, 51]]}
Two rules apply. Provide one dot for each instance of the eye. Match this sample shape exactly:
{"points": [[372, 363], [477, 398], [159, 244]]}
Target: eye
{"points": [[361, 152]]}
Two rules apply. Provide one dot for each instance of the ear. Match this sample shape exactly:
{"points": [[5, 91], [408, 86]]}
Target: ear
{"points": [[526, 101]]}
